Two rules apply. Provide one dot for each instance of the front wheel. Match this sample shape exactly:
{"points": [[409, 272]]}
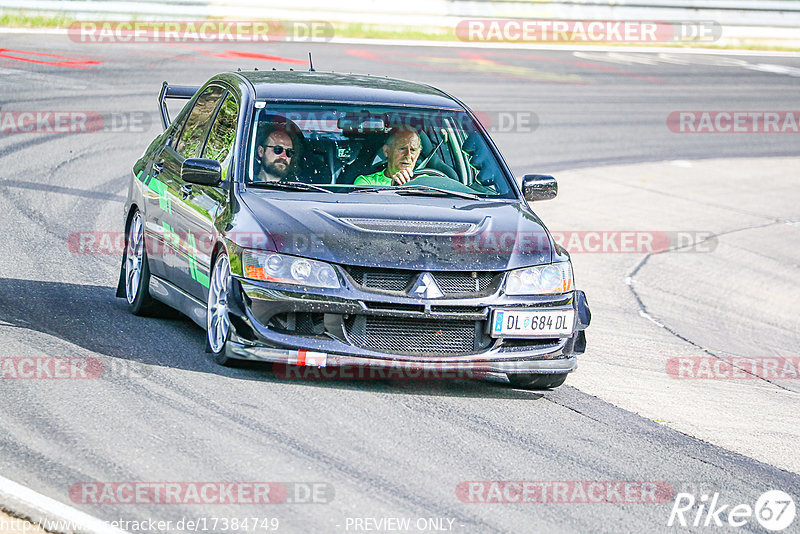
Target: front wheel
{"points": [[532, 381], [218, 323]]}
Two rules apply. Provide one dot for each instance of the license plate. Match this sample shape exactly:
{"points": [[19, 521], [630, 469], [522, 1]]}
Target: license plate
{"points": [[539, 323]]}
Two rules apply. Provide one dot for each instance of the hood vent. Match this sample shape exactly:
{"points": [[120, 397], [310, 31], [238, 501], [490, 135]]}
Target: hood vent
{"points": [[404, 226]]}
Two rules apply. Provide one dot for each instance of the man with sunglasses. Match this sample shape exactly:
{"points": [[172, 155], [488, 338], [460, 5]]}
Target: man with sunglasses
{"points": [[277, 155]]}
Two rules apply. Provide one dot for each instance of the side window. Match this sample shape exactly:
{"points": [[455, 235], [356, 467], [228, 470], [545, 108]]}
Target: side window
{"points": [[177, 129], [223, 133], [194, 133]]}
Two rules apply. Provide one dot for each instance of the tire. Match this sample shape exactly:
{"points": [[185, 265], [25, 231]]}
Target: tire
{"points": [[537, 382], [218, 323], [136, 271]]}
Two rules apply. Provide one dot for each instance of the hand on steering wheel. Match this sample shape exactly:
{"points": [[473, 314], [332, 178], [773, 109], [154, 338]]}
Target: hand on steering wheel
{"points": [[404, 176]]}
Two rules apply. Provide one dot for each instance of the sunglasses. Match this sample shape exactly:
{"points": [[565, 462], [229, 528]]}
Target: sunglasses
{"points": [[278, 150]]}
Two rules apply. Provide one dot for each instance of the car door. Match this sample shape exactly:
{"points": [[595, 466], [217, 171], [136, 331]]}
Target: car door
{"points": [[178, 257], [200, 205], [153, 197]]}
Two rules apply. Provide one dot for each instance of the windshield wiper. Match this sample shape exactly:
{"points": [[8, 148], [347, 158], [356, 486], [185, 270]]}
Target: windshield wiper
{"points": [[417, 190], [293, 186]]}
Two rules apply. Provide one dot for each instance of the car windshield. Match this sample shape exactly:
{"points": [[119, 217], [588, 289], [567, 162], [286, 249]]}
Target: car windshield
{"points": [[355, 148]]}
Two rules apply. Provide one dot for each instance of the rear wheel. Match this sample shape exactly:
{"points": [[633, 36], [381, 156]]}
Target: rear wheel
{"points": [[532, 381], [137, 271]]}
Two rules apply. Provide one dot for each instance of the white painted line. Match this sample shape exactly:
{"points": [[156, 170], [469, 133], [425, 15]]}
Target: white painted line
{"points": [[43, 510], [650, 318], [682, 163], [568, 47], [498, 46]]}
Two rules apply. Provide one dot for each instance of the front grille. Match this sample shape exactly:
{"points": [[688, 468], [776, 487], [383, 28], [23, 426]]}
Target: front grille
{"points": [[463, 282], [398, 335], [459, 309], [383, 279], [473, 284]]}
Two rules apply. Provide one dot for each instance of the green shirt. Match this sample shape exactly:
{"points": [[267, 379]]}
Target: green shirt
{"points": [[377, 178]]}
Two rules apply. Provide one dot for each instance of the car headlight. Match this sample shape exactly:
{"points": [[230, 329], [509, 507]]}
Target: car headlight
{"points": [[540, 280], [272, 267]]}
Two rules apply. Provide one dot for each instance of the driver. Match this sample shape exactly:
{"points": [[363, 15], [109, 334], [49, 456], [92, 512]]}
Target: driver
{"points": [[278, 152], [402, 149]]}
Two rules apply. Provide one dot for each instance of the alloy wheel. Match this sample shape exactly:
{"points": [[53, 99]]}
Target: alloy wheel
{"points": [[217, 321]]}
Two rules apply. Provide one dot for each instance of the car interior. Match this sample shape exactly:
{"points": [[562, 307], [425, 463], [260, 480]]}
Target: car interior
{"points": [[338, 155]]}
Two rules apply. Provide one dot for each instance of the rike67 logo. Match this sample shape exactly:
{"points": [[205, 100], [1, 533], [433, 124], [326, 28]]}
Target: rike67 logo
{"points": [[774, 510]]}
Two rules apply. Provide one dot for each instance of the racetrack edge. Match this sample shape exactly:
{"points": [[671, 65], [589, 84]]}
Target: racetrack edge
{"points": [[41, 510]]}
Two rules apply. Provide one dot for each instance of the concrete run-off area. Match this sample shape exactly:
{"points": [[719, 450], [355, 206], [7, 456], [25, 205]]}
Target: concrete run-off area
{"points": [[731, 298]]}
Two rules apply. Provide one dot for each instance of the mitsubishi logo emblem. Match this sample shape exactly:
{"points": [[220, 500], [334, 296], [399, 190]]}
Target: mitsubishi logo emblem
{"points": [[425, 287]]}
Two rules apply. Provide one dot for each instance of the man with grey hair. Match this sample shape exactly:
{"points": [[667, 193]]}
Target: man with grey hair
{"points": [[402, 149]]}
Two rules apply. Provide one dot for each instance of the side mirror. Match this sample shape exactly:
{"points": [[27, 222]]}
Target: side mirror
{"points": [[539, 187], [201, 171]]}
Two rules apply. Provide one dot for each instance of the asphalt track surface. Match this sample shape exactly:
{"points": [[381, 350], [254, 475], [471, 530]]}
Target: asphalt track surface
{"points": [[384, 448]]}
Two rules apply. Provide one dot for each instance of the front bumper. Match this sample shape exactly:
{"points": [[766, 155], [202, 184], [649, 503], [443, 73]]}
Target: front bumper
{"points": [[253, 304], [462, 367]]}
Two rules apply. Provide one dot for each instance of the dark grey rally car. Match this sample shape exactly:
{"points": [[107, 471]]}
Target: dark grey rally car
{"points": [[327, 220]]}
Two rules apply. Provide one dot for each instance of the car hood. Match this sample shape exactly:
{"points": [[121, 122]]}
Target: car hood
{"points": [[403, 232]]}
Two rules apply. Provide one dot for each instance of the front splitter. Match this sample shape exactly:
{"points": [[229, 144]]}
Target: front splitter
{"points": [[477, 365]]}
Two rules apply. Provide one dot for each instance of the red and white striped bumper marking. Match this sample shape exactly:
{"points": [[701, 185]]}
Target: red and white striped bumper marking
{"points": [[308, 358]]}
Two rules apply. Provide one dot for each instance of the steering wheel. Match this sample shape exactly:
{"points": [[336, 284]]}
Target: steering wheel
{"points": [[427, 171], [440, 182]]}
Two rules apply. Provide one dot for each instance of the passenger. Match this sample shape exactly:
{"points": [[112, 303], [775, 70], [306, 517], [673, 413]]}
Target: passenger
{"points": [[278, 154], [402, 149]]}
